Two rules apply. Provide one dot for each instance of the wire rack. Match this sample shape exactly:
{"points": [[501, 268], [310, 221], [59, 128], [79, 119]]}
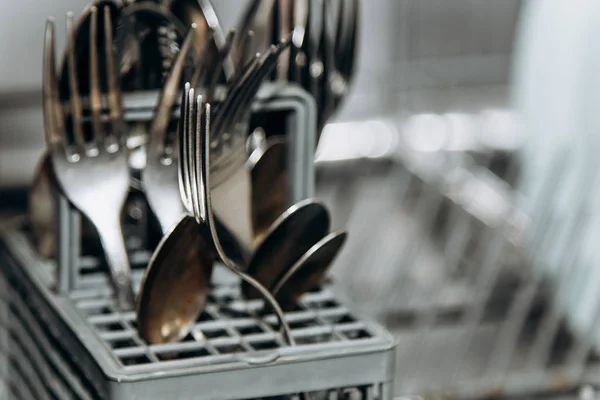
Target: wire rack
{"points": [[451, 274]]}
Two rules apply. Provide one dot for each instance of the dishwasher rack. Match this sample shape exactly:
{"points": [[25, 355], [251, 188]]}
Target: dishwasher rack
{"points": [[63, 338], [452, 275]]}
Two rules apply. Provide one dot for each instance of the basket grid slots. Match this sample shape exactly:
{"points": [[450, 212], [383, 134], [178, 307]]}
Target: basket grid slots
{"points": [[228, 326], [230, 330]]}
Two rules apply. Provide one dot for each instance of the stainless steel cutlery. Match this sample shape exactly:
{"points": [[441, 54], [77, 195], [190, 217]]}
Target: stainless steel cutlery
{"points": [[216, 195], [89, 158], [322, 55]]}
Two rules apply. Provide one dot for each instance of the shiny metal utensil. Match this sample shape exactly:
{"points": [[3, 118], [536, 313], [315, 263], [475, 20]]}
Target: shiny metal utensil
{"points": [[285, 19], [345, 51], [176, 283], [299, 49], [175, 286], [215, 71], [159, 177], [323, 58], [252, 29], [43, 217], [202, 13], [42, 203], [198, 185], [268, 169], [81, 47], [147, 44], [42, 208], [92, 171], [230, 175], [308, 271], [298, 229]]}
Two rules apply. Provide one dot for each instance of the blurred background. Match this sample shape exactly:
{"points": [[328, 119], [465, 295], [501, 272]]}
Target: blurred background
{"points": [[421, 165], [414, 56]]}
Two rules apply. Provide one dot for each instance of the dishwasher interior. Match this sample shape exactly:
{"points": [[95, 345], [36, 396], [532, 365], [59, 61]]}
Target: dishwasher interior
{"points": [[437, 292]]}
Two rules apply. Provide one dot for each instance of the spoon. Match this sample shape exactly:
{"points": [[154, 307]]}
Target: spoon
{"points": [[298, 229], [42, 208], [176, 282], [268, 169], [308, 271]]}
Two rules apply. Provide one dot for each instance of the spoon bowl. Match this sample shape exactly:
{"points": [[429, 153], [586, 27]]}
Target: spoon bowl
{"points": [[269, 186], [308, 271], [298, 229], [176, 283], [42, 206]]}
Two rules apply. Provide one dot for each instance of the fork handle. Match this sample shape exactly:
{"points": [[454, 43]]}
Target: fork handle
{"points": [[111, 237]]}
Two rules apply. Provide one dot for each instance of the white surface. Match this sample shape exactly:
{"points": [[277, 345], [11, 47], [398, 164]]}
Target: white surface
{"points": [[557, 90]]}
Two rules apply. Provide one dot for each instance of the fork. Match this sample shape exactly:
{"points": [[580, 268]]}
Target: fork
{"points": [[159, 177], [195, 186], [231, 177], [92, 171]]}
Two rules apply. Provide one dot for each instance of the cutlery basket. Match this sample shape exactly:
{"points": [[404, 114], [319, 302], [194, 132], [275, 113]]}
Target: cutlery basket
{"points": [[281, 109], [62, 338], [77, 345]]}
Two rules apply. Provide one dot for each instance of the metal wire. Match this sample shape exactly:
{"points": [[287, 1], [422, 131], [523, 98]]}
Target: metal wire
{"points": [[485, 318]]}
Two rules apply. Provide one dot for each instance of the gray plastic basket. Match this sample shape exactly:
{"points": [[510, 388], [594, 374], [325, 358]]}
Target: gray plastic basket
{"points": [[62, 337], [79, 346]]}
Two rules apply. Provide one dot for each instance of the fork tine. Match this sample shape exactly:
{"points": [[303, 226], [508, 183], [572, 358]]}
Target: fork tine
{"points": [[244, 26], [198, 158], [158, 130], [76, 109], [224, 54], [53, 116], [204, 165], [189, 138], [114, 94], [191, 154], [95, 97], [242, 98], [183, 177], [233, 96]]}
